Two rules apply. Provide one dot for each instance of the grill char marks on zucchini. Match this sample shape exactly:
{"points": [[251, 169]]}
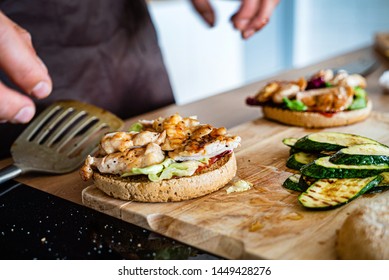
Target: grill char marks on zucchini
{"points": [[323, 168], [330, 193], [346, 166], [330, 141], [365, 154]]}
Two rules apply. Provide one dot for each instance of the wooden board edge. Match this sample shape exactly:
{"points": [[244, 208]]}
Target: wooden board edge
{"points": [[93, 198]]}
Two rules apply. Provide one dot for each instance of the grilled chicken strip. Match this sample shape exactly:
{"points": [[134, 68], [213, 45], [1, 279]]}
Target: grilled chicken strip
{"points": [[121, 141], [353, 80], [277, 90], [205, 142], [177, 129], [341, 78], [330, 100], [123, 162], [325, 74]]}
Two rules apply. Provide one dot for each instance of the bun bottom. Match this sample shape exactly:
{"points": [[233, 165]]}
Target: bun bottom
{"points": [[141, 189], [316, 120]]}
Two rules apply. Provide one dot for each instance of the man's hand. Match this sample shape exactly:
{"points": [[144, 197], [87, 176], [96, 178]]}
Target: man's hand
{"points": [[21, 64], [251, 16]]}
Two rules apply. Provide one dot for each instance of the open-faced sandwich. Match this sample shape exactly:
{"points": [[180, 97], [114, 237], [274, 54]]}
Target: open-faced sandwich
{"points": [[166, 159], [327, 99]]}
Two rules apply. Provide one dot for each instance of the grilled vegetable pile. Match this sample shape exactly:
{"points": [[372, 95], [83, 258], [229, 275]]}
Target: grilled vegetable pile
{"points": [[335, 168]]}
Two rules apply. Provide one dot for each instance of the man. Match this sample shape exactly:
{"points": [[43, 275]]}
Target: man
{"points": [[97, 51]]}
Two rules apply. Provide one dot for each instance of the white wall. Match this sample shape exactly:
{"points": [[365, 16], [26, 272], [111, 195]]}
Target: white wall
{"points": [[203, 61], [200, 61], [270, 50], [325, 28]]}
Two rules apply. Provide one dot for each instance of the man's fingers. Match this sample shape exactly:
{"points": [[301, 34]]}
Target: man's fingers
{"points": [[204, 8], [16, 108], [19, 60], [253, 15], [262, 18], [246, 12]]}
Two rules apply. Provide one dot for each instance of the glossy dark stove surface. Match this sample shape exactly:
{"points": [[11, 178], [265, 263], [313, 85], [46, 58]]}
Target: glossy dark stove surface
{"points": [[37, 225]]}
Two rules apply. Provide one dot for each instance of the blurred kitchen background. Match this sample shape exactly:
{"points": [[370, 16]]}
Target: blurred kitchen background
{"points": [[202, 62]]}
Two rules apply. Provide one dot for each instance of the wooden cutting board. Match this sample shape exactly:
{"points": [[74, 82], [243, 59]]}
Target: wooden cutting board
{"points": [[265, 222]]}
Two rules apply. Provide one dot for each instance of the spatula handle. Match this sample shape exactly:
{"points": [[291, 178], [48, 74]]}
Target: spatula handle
{"points": [[9, 172]]}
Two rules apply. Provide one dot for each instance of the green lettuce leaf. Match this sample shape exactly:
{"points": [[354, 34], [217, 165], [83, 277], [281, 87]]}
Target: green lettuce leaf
{"points": [[181, 169], [137, 127], [166, 170], [359, 101], [294, 105]]}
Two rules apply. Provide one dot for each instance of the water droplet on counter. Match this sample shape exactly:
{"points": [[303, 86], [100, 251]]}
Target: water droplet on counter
{"points": [[294, 216], [256, 226]]}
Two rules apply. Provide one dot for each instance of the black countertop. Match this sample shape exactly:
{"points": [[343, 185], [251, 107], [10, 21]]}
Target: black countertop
{"points": [[38, 225]]}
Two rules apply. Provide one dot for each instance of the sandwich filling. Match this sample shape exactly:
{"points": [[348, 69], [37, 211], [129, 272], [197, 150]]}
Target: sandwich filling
{"points": [[325, 92], [161, 149]]}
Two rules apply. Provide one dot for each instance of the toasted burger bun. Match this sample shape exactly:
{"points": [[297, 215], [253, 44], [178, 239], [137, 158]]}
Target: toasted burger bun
{"points": [[364, 234], [316, 120], [140, 188]]}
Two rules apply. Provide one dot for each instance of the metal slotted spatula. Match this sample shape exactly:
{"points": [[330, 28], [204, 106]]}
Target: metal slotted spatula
{"points": [[59, 139]]}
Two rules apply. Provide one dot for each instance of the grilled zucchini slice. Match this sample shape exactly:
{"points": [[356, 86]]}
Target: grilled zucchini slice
{"points": [[297, 182], [290, 141], [330, 193], [324, 168], [330, 141], [385, 179], [299, 159], [364, 154], [292, 183], [383, 185], [305, 182]]}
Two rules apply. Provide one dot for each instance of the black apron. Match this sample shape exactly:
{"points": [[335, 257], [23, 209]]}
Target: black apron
{"points": [[103, 52]]}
